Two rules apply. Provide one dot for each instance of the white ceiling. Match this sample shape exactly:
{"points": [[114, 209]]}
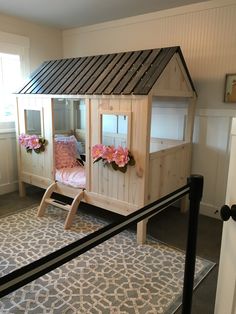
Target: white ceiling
{"points": [[74, 13]]}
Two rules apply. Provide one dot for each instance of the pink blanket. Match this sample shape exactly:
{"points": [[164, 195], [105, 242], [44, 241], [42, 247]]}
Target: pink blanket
{"points": [[72, 176]]}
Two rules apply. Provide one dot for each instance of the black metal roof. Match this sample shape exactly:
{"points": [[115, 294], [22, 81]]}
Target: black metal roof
{"points": [[119, 73]]}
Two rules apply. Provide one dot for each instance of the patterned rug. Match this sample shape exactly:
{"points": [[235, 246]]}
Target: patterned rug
{"points": [[116, 277]]}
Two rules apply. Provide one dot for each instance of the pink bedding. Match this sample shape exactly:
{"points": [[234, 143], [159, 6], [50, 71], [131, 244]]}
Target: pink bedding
{"points": [[65, 152], [71, 176]]}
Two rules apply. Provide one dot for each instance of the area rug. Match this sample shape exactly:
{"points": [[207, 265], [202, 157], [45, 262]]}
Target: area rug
{"points": [[117, 277]]}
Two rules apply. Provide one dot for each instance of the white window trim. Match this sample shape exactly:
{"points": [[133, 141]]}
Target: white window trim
{"points": [[20, 45]]}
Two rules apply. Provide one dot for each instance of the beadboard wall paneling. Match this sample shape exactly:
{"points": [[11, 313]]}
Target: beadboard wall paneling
{"points": [[211, 158], [207, 35], [8, 163]]}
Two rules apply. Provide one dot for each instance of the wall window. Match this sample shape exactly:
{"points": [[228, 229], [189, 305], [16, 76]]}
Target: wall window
{"points": [[14, 67], [10, 80]]}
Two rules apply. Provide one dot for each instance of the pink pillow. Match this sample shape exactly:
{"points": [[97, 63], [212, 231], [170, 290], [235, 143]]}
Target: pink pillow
{"points": [[65, 152]]}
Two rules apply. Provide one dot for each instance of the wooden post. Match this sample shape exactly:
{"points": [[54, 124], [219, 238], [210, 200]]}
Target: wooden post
{"points": [[188, 137], [142, 231], [188, 134]]}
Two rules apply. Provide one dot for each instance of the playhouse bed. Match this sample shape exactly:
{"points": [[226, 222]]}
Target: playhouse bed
{"points": [[113, 100]]}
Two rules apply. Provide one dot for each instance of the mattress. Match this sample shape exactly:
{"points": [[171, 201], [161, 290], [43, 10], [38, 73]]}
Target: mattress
{"points": [[74, 177]]}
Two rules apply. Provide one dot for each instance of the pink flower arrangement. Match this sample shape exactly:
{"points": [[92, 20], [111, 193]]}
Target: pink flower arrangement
{"points": [[32, 143], [119, 158]]}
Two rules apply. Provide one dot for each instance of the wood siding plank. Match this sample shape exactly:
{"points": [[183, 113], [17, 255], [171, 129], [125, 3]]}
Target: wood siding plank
{"points": [[122, 73], [78, 89], [155, 71], [48, 76], [29, 88], [79, 74], [61, 71], [61, 79], [97, 76], [106, 75], [70, 76], [104, 86], [35, 75], [133, 68], [139, 74]]}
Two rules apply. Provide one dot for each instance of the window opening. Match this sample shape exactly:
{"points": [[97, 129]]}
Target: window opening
{"points": [[10, 80]]}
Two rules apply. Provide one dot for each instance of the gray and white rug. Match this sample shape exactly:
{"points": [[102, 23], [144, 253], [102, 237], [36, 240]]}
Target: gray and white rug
{"points": [[116, 277]]}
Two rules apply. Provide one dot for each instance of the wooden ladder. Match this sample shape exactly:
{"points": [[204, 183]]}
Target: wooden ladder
{"points": [[76, 194]]}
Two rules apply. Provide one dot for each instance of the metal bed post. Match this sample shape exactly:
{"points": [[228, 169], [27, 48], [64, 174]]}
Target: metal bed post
{"points": [[195, 196]]}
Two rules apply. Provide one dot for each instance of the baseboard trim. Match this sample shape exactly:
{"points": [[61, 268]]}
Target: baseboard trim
{"points": [[205, 208], [209, 210], [8, 187]]}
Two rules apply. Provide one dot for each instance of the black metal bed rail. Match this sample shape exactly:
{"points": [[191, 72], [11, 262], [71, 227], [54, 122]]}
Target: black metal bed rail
{"points": [[40, 267]]}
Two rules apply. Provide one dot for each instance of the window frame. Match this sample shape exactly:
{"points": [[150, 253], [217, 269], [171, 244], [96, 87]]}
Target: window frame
{"points": [[17, 45], [118, 113]]}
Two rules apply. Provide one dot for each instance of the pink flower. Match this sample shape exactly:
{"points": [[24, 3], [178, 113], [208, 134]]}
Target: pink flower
{"points": [[121, 156], [97, 151], [26, 141], [118, 158], [22, 138], [33, 142], [108, 153]]}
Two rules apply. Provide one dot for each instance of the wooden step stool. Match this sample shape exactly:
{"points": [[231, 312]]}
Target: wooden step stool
{"points": [[57, 187]]}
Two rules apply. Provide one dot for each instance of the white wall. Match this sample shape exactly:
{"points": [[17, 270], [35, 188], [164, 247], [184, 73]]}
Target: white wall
{"points": [[206, 34], [45, 42], [36, 43], [168, 118]]}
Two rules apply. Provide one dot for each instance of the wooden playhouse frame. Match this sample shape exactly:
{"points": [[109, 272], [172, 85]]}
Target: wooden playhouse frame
{"points": [[122, 84]]}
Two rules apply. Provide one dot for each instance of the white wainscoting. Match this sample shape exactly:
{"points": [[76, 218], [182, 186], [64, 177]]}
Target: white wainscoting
{"points": [[211, 156], [211, 144], [8, 162]]}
